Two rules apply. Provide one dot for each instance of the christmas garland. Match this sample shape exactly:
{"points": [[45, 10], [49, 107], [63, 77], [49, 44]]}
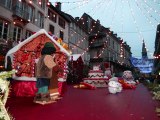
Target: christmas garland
{"points": [[4, 90]]}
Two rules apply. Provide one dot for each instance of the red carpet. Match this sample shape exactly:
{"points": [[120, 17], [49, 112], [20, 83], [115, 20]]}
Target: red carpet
{"points": [[80, 104]]}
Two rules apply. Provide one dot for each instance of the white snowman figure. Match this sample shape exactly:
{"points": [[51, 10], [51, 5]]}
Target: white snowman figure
{"points": [[114, 87]]}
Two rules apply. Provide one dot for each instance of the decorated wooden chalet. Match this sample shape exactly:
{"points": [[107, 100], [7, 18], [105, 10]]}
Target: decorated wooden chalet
{"points": [[23, 58]]}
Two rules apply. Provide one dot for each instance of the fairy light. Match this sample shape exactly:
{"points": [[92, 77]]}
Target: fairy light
{"points": [[152, 9], [144, 13], [79, 6], [156, 2], [150, 22], [77, 44], [121, 49], [102, 50], [122, 17], [137, 28], [88, 47], [48, 3], [114, 13], [40, 2], [82, 39], [94, 9], [148, 10], [30, 1]]}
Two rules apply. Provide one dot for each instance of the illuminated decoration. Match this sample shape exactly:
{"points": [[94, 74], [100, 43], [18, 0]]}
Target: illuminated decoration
{"points": [[30, 1], [122, 17], [4, 92], [110, 1], [100, 54], [121, 49], [48, 3], [137, 28], [151, 8], [144, 65], [24, 57], [145, 14], [79, 5], [39, 2], [96, 7]]}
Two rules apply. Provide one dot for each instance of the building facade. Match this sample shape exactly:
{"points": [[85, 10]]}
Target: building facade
{"points": [[19, 19], [105, 46], [78, 40]]}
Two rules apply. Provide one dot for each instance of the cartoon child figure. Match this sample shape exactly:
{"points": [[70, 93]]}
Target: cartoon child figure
{"points": [[44, 72]]}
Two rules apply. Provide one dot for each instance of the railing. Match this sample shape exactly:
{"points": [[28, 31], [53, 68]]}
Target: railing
{"points": [[20, 12], [96, 44], [96, 59]]}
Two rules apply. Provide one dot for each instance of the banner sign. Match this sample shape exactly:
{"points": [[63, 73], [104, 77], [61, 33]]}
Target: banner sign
{"points": [[145, 65]]}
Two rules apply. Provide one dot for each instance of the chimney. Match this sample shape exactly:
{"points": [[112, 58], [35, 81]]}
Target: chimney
{"points": [[77, 19], [58, 5], [98, 21]]}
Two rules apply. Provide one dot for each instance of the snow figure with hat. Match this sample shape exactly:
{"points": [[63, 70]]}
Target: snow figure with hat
{"points": [[128, 77], [107, 73], [127, 80], [44, 68]]}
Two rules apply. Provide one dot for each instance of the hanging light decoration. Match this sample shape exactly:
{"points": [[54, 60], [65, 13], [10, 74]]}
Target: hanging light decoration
{"points": [[48, 3], [30, 1], [40, 2]]}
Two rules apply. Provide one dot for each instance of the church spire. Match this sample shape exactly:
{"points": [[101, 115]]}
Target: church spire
{"points": [[144, 50]]}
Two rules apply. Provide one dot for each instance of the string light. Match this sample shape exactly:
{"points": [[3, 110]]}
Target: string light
{"points": [[40, 2], [114, 13], [95, 8], [122, 17], [30, 1], [151, 9], [139, 32], [79, 6], [144, 13]]}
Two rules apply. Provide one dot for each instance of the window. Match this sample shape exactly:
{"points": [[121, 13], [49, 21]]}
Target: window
{"points": [[17, 34], [61, 22], [61, 34], [52, 16], [28, 34], [31, 14], [51, 29], [113, 44], [40, 20], [4, 29], [19, 9], [6, 3], [42, 3]]}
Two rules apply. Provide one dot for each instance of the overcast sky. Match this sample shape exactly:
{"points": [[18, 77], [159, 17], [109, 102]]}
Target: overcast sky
{"points": [[132, 20]]}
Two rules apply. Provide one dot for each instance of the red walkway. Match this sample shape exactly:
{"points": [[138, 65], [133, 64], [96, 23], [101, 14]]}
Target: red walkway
{"points": [[80, 104]]}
